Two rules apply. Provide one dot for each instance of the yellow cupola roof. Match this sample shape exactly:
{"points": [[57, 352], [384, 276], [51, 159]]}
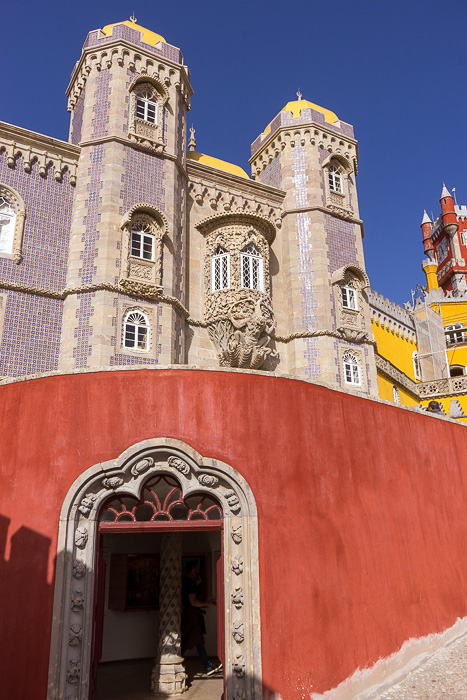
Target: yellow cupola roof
{"points": [[149, 37], [297, 105], [217, 163]]}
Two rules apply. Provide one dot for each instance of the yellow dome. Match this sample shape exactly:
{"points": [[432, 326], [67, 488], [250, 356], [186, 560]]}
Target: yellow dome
{"points": [[297, 105], [217, 163], [149, 37]]}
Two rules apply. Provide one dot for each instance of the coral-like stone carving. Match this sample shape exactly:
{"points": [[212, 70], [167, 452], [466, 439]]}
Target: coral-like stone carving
{"points": [[81, 537], [79, 569], [142, 466], [238, 632], [77, 601], [237, 597], [237, 564], [113, 482], [73, 672], [232, 499], [208, 480], [236, 533], [76, 635], [179, 464], [242, 339]]}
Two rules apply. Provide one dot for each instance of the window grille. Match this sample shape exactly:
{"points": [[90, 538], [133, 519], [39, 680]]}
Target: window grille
{"points": [[335, 179], [456, 333], [142, 242], [220, 270], [351, 369], [7, 226], [251, 268], [146, 107], [136, 332], [349, 298]]}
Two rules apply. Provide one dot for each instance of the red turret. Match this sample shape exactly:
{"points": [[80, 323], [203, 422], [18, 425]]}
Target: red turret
{"points": [[448, 212], [426, 233]]}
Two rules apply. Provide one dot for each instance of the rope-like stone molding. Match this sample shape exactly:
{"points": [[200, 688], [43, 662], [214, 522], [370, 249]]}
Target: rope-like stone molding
{"points": [[362, 338]]}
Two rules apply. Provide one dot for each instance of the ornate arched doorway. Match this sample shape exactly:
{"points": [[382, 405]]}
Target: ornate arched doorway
{"points": [[113, 495]]}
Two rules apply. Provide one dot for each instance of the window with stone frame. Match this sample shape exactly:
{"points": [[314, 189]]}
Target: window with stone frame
{"points": [[335, 179], [146, 105], [12, 218], [251, 268], [136, 331], [349, 298], [147, 99], [220, 270], [352, 374], [142, 241]]}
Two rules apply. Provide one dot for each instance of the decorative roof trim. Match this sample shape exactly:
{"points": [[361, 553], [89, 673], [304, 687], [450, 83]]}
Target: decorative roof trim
{"points": [[268, 228]]}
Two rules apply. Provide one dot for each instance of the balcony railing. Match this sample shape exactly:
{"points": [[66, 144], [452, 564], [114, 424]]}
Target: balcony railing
{"points": [[443, 387]]}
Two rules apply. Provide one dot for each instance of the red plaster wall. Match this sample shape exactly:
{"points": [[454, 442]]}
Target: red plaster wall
{"points": [[361, 509]]}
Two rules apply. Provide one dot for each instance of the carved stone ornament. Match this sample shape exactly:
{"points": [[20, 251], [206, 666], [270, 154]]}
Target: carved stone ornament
{"points": [[238, 632], [352, 335], [240, 694], [208, 480], [76, 635], [242, 339], [179, 464], [142, 466], [113, 482], [79, 569], [237, 597], [232, 500], [77, 601], [236, 534], [81, 537], [140, 289], [86, 505], [238, 666], [73, 671], [237, 564]]}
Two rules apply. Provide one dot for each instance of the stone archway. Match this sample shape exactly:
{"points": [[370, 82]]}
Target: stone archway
{"points": [[70, 652]]}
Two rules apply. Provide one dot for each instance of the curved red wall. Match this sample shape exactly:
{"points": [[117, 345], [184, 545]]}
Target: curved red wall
{"points": [[361, 509]]}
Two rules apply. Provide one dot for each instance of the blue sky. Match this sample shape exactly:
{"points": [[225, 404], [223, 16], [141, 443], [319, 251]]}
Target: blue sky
{"points": [[395, 70]]}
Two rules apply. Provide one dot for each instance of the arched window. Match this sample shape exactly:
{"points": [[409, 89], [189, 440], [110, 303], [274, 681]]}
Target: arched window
{"points": [[335, 179], [351, 369], [251, 264], [220, 270], [7, 226], [142, 241], [349, 298], [455, 333], [146, 106], [416, 366], [135, 331]]}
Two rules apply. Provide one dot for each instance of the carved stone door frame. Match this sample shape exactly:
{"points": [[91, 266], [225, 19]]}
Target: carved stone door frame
{"points": [[70, 649]]}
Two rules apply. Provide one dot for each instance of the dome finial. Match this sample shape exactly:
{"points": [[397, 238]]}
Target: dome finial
{"points": [[192, 141], [299, 94], [133, 18]]}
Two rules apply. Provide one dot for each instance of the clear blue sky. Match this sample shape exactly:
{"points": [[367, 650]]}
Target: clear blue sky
{"points": [[395, 70]]}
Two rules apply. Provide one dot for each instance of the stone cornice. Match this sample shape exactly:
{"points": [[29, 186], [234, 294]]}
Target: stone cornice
{"points": [[302, 134], [390, 311], [334, 211], [34, 147], [388, 370], [122, 51]]}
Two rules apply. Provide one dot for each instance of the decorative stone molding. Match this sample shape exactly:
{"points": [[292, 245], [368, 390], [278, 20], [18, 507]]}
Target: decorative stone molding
{"points": [[450, 386], [47, 152], [353, 323], [16, 203], [70, 663], [391, 372], [141, 277], [144, 133]]}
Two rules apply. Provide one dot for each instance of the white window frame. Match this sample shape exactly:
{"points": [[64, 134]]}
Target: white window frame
{"points": [[352, 372], [7, 226], [254, 263], [146, 240], [139, 321], [349, 298], [456, 334], [146, 103], [335, 179], [220, 268]]}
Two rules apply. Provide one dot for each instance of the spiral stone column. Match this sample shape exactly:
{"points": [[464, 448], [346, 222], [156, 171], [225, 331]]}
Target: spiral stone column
{"points": [[168, 675]]}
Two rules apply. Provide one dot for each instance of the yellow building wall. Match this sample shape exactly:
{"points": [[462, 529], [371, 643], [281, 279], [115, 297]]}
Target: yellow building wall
{"points": [[454, 313], [395, 348], [385, 392]]}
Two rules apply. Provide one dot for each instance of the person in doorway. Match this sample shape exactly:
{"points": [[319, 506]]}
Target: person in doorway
{"points": [[193, 611]]}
